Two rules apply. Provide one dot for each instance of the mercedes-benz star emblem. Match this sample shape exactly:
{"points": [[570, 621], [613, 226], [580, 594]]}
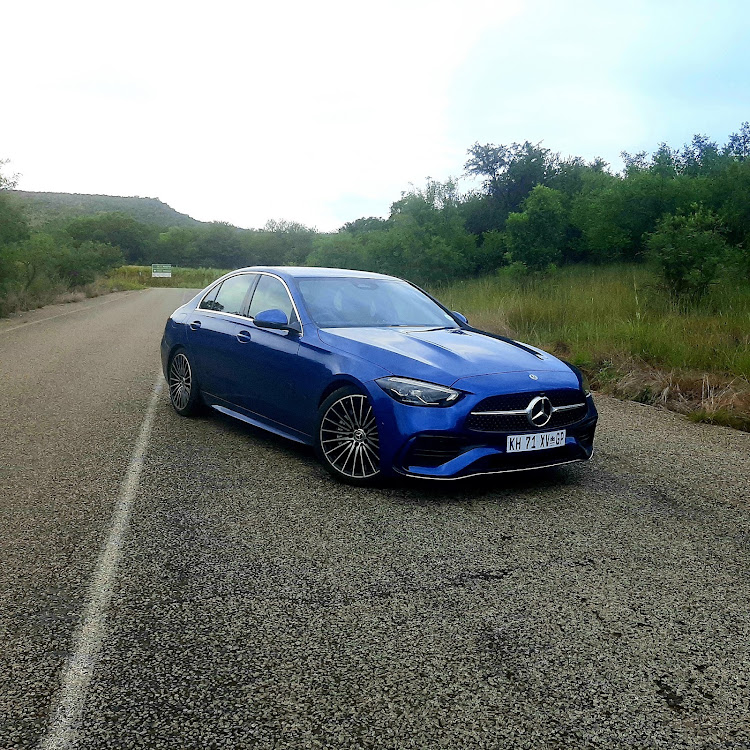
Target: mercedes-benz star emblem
{"points": [[539, 411]]}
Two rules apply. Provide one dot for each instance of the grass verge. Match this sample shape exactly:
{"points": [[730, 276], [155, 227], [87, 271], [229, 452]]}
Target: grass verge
{"points": [[189, 278]]}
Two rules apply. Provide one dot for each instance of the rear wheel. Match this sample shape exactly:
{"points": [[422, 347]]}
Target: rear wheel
{"points": [[347, 440], [183, 387]]}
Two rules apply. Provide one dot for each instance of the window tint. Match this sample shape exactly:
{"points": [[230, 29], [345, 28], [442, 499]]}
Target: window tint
{"points": [[271, 294], [232, 294], [209, 301]]}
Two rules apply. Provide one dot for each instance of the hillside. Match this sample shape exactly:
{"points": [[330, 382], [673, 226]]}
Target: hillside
{"points": [[45, 208]]}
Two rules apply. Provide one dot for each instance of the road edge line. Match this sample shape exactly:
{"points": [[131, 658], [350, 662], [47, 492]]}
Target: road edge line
{"points": [[76, 675]]}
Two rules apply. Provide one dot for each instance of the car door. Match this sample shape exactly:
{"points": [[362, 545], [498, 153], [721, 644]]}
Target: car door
{"points": [[269, 364], [217, 331]]}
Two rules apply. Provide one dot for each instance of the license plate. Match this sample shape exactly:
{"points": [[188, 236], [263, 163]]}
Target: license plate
{"points": [[536, 441]]}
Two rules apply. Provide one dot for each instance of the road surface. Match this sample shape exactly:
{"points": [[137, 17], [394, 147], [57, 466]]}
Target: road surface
{"points": [[196, 583]]}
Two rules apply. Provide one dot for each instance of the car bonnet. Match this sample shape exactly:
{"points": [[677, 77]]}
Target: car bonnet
{"points": [[441, 355]]}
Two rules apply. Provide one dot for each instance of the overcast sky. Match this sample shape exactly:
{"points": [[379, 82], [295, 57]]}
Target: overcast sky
{"points": [[322, 112]]}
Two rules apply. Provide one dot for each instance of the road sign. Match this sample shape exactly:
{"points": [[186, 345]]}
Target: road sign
{"points": [[161, 270]]}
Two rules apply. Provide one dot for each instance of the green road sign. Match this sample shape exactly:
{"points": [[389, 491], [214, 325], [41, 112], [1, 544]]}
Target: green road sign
{"points": [[161, 270]]}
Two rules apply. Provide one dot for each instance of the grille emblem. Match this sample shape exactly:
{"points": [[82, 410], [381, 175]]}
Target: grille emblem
{"points": [[539, 411]]}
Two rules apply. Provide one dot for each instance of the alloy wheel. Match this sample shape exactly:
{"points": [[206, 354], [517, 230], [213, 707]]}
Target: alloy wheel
{"points": [[180, 382], [349, 437]]}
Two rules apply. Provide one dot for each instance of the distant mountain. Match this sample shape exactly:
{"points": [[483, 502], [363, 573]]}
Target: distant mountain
{"points": [[46, 208]]}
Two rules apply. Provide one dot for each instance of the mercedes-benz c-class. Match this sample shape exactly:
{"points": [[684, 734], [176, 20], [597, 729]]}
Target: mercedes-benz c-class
{"points": [[375, 374]]}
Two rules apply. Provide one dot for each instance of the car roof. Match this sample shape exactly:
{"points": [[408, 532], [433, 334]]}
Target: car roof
{"points": [[301, 272]]}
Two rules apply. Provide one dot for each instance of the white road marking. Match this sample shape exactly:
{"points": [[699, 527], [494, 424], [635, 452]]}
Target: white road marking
{"points": [[87, 642], [60, 315]]}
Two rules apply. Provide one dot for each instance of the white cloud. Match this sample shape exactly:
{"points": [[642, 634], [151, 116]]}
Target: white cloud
{"points": [[246, 111], [237, 111]]}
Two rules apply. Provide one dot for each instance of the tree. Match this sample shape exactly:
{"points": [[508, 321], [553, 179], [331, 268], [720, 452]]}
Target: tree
{"points": [[136, 240], [218, 245], [634, 163], [738, 145], [14, 226], [731, 199], [177, 246], [665, 162], [510, 172], [615, 214], [7, 182], [341, 250], [29, 261], [288, 242], [363, 225], [700, 156], [427, 227], [534, 237], [78, 266]]}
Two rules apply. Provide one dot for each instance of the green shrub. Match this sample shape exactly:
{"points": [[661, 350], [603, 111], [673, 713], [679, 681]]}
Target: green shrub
{"points": [[82, 265], [688, 251]]}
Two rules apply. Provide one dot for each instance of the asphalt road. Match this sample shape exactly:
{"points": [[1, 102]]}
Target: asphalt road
{"points": [[256, 603]]}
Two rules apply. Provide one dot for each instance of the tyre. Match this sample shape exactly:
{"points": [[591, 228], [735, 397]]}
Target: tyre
{"points": [[183, 386], [347, 441]]}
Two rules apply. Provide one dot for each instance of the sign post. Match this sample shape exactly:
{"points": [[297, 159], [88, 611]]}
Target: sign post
{"points": [[161, 270]]}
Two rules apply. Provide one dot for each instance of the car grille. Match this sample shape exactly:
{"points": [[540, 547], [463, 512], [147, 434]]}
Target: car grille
{"points": [[429, 450], [519, 422]]}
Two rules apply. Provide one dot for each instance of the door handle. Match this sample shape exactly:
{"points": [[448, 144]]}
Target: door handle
{"points": [[243, 337], [195, 325]]}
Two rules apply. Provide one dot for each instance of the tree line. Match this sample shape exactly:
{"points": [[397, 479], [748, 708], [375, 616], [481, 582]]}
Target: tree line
{"points": [[36, 266], [687, 210]]}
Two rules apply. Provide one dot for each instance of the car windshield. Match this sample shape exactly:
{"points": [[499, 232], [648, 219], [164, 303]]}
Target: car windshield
{"points": [[347, 302]]}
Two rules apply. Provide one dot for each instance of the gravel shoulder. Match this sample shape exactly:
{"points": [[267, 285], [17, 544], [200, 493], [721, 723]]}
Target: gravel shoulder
{"points": [[261, 604]]}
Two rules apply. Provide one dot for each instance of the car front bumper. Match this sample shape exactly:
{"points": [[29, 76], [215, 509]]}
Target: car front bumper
{"points": [[434, 443]]}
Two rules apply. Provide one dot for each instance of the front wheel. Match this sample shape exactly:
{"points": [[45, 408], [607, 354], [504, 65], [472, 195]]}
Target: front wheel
{"points": [[183, 387], [347, 440]]}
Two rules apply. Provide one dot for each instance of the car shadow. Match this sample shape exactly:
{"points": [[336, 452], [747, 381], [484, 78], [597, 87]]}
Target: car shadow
{"points": [[509, 486], [501, 486]]}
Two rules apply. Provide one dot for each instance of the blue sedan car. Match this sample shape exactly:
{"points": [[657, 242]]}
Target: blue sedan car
{"points": [[375, 374]]}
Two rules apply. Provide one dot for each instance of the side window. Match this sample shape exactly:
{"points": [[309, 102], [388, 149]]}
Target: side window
{"points": [[232, 294], [269, 294], [209, 301]]}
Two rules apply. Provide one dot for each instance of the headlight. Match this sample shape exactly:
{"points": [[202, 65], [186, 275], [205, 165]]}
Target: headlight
{"points": [[417, 392]]}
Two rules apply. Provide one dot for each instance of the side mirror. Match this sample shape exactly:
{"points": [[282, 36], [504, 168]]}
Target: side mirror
{"points": [[275, 319], [460, 317]]}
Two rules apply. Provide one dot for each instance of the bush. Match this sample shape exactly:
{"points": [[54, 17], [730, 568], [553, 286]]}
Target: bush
{"points": [[688, 250], [34, 272], [80, 266]]}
